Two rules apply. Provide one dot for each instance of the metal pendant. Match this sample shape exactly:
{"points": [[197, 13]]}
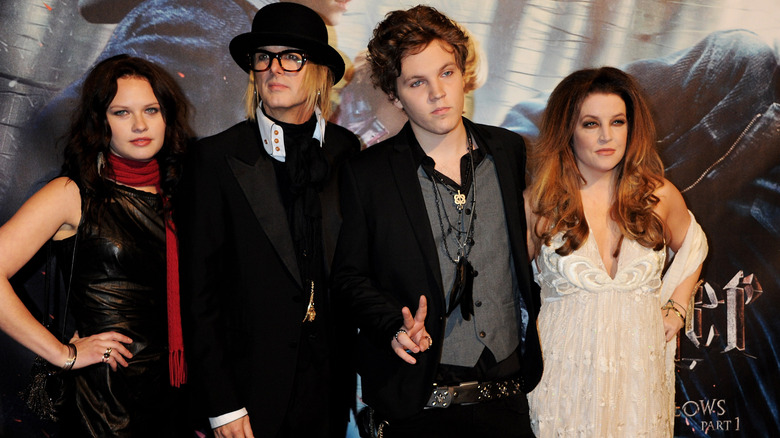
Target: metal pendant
{"points": [[311, 313], [459, 199]]}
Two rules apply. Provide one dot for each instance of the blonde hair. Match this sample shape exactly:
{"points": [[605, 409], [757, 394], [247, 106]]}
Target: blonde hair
{"points": [[475, 73], [317, 80]]}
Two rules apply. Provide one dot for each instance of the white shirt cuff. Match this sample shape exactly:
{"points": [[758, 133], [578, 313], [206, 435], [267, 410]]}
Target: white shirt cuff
{"points": [[227, 418]]}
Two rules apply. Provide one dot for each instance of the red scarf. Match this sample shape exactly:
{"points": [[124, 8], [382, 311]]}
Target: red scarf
{"points": [[143, 174]]}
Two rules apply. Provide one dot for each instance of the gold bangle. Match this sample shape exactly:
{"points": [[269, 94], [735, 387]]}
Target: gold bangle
{"points": [[674, 303], [679, 314], [671, 307], [72, 353]]}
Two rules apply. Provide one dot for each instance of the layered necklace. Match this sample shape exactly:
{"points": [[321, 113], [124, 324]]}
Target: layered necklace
{"points": [[462, 235]]}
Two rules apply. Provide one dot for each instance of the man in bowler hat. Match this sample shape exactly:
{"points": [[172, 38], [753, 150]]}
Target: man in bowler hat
{"points": [[260, 219]]}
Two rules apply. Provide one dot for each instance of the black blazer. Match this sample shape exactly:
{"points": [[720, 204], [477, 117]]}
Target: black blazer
{"points": [[240, 278], [386, 258]]}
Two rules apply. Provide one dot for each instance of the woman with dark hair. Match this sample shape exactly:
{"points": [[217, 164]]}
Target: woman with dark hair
{"points": [[110, 217], [601, 216]]}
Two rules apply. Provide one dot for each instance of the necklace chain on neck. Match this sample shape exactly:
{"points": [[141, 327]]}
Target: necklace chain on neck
{"points": [[464, 238]]}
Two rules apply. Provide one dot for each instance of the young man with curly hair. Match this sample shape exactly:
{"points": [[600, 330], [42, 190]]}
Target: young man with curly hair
{"points": [[431, 260]]}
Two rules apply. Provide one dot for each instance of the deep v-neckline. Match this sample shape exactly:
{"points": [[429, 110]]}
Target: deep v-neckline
{"points": [[603, 265]]}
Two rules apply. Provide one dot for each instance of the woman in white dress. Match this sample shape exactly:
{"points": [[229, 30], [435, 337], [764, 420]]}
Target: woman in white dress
{"points": [[601, 217]]}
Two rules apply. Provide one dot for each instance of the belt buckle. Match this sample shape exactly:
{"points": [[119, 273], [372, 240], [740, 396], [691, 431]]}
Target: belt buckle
{"points": [[464, 393], [441, 397]]}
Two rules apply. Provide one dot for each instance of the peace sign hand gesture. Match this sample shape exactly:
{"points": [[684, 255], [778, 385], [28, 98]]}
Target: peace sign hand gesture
{"points": [[412, 336]]}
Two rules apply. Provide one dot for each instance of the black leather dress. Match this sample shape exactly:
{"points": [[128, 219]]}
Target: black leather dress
{"points": [[119, 284]]}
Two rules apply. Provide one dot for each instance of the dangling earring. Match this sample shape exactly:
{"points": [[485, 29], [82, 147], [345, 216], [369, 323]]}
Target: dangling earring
{"points": [[101, 163]]}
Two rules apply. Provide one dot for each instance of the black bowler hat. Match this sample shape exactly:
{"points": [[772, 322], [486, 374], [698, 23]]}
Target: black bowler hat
{"points": [[288, 24]]}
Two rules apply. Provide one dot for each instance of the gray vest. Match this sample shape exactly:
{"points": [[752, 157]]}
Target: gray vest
{"points": [[496, 313]]}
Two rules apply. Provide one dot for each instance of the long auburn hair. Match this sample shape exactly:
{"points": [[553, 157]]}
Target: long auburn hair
{"points": [[90, 133], [556, 179]]}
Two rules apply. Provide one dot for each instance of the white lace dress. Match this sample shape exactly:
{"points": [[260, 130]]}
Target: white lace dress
{"points": [[603, 345], [608, 371]]}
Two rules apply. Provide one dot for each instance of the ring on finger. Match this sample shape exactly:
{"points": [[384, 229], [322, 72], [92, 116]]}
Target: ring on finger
{"points": [[398, 333], [430, 340], [107, 354]]}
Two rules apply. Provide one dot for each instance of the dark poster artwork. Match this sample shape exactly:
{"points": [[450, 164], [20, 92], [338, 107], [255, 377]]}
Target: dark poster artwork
{"points": [[710, 70]]}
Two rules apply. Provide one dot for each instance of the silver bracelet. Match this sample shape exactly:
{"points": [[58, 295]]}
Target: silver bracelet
{"points": [[72, 353]]}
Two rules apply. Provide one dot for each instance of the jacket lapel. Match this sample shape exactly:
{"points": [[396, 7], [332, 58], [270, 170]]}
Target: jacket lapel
{"points": [[258, 182], [507, 179], [405, 173], [331, 219]]}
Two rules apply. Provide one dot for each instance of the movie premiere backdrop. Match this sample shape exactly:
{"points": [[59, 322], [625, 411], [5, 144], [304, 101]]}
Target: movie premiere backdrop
{"points": [[709, 68]]}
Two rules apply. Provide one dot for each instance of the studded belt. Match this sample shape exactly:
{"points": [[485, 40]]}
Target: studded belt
{"points": [[473, 392]]}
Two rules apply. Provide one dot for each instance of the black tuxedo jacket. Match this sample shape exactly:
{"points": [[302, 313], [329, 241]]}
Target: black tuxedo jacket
{"points": [[387, 257], [240, 278]]}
